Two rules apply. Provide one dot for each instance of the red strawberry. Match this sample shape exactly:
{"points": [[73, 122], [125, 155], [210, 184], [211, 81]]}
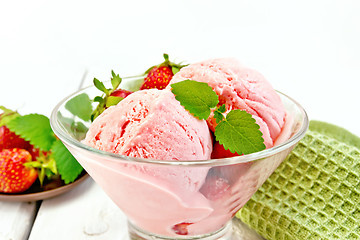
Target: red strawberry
{"points": [[214, 188], [220, 152], [14, 176], [181, 228], [160, 75], [9, 139], [121, 93]]}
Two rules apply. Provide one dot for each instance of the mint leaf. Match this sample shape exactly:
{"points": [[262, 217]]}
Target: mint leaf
{"points": [[34, 128], [239, 133], [196, 97], [80, 106], [218, 116], [222, 108], [218, 113], [67, 166]]}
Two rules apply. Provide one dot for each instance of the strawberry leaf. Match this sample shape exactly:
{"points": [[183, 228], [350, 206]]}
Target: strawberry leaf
{"points": [[115, 80], [80, 106], [196, 97], [77, 129], [239, 133], [111, 101], [7, 115], [34, 128], [99, 85], [67, 166]]}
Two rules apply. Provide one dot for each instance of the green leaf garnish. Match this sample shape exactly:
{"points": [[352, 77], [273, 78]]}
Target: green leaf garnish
{"points": [[68, 168], [34, 128], [80, 106], [196, 97], [239, 133], [218, 113]]}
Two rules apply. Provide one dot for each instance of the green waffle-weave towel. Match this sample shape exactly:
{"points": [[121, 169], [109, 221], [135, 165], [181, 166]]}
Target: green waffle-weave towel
{"points": [[315, 192]]}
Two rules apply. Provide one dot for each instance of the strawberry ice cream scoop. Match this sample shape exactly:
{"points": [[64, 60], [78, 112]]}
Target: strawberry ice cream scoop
{"points": [[239, 87], [151, 124]]}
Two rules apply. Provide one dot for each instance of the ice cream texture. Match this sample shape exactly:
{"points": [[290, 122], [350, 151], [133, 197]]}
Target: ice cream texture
{"points": [[239, 87], [151, 124]]}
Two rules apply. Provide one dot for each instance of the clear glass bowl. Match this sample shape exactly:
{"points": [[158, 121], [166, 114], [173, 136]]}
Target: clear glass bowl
{"points": [[178, 199]]}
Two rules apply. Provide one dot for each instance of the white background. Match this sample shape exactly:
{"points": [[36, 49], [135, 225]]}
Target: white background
{"points": [[309, 50]]}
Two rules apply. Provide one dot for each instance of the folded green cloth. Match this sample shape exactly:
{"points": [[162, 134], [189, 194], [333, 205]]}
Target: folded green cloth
{"points": [[315, 192]]}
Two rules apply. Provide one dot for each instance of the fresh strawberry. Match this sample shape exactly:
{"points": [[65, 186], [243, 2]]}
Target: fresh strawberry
{"points": [[160, 75], [220, 152], [110, 97], [181, 228], [215, 187], [15, 177], [9, 139], [121, 93]]}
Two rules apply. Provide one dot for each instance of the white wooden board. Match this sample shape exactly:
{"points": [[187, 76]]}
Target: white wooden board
{"points": [[83, 213], [16, 219]]}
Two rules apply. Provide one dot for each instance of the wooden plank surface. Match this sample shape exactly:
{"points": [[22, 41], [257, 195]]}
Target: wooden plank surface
{"points": [[16, 219], [83, 213]]}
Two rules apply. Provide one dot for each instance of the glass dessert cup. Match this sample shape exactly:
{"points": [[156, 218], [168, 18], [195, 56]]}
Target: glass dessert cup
{"points": [[178, 199]]}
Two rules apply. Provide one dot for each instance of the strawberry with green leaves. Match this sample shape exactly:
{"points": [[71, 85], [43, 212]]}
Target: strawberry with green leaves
{"points": [[15, 176], [160, 75], [9, 139], [111, 96], [42, 151]]}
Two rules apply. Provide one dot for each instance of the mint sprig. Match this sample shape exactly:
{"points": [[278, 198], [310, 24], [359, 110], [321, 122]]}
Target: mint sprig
{"points": [[237, 131]]}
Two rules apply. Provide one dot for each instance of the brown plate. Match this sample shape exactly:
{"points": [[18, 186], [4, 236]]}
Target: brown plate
{"points": [[30, 196]]}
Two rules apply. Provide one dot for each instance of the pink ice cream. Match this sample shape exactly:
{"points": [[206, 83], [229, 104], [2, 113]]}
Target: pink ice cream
{"points": [[182, 200], [151, 124], [239, 87]]}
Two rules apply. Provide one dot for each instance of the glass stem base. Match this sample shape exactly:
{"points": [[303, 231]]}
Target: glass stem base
{"points": [[224, 233]]}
